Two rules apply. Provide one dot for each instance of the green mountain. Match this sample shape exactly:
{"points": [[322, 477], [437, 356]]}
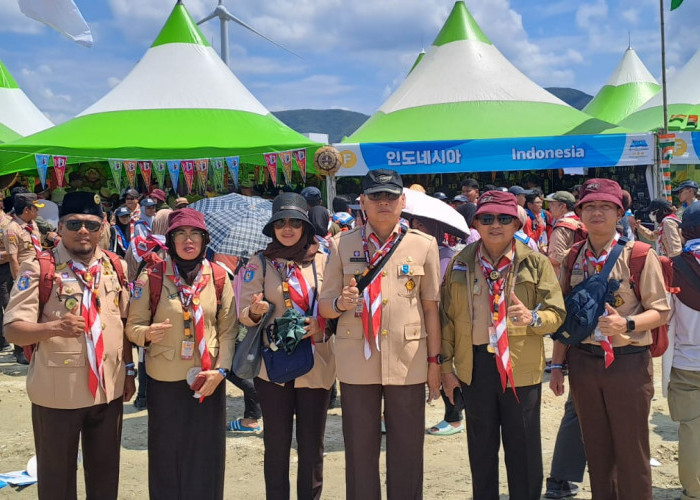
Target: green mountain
{"points": [[572, 97], [337, 123]]}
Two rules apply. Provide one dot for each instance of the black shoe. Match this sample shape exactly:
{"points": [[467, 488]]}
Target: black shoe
{"points": [[21, 358], [558, 488], [140, 403]]}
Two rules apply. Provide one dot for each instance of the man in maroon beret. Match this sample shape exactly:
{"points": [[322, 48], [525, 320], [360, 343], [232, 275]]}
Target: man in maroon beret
{"points": [[498, 299]]}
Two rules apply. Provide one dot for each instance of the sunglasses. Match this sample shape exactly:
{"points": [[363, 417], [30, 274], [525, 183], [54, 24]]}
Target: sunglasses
{"points": [[488, 219], [130, 198], [77, 225], [383, 196], [293, 223], [182, 236]]}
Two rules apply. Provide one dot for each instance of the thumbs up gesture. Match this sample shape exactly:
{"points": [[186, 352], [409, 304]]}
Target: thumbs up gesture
{"points": [[611, 323], [72, 324], [349, 296], [259, 306], [518, 314]]}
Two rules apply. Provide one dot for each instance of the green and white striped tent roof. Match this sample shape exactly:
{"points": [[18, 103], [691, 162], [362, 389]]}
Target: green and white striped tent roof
{"points": [[630, 86], [464, 88], [179, 102], [18, 115], [683, 93]]}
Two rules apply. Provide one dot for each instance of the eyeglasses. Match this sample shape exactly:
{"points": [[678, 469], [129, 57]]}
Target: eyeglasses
{"points": [[182, 236], [77, 225], [488, 219], [609, 207], [293, 223], [384, 196]]}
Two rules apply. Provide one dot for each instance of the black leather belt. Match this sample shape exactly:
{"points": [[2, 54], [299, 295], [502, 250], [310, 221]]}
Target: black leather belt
{"points": [[482, 348], [598, 351]]}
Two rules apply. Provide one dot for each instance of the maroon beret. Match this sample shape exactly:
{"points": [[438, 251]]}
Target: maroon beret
{"points": [[600, 190], [497, 202], [158, 194], [186, 217]]}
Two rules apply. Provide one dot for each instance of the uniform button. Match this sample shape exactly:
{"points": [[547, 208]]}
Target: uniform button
{"points": [[66, 361], [347, 332], [384, 301], [383, 273], [104, 358], [385, 332], [410, 272]]}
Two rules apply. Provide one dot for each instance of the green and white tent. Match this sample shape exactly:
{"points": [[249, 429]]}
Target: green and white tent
{"points": [[630, 86], [683, 93], [464, 88], [19, 117], [179, 102]]}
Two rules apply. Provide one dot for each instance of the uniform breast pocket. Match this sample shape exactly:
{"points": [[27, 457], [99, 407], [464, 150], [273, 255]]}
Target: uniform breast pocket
{"points": [[112, 292], [408, 280]]}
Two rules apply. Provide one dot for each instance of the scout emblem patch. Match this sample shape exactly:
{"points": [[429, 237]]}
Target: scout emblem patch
{"points": [[405, 269], [618, 301], [23, 283], [249, 275], [71, 303], [138, 291], [410, 285]]}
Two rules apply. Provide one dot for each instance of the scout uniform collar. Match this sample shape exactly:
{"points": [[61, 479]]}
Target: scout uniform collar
{"points": [[370, 229], [606, 248], [63, 255], [170, 272]]}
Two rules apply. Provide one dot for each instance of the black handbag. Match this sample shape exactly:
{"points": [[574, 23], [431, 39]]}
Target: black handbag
{"points": [[247, 358]]}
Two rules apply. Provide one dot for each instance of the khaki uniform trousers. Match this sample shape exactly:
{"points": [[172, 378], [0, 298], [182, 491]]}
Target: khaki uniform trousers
{"points": [[684, 405]]}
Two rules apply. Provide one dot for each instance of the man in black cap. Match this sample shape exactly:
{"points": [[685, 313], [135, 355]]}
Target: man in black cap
{"points": [[387, 339], [687, 192], [312, 195], [81, 370], [519, 194]]}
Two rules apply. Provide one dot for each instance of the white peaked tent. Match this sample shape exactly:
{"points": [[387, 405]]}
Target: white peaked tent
{"points": [[19, 117], [630, 86], [683, 92]]}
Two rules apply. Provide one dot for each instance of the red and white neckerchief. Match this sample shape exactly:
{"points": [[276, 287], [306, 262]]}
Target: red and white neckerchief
{"points": [[659, 244], [372, 294], [301, 293], [496, 280], [135, 216], [90, 310], [598, 263], [189, 297], [143, 246], [693, 247], [35, 239]]}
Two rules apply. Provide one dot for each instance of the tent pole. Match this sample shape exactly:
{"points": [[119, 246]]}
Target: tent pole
{"points": [[663, 67]]}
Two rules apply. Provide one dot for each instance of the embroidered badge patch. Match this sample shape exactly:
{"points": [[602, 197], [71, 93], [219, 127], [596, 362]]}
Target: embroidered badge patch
{"points": [[249, 275], [138, 291], [23, 283]]}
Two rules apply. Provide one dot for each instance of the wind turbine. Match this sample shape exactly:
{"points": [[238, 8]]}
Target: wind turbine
{"points": [[224, 17]]}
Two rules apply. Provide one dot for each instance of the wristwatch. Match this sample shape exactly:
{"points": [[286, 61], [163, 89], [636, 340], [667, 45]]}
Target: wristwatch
{"points": [[223, 372], [130, 369], [437, 359], [631, 325], [536, 320]]}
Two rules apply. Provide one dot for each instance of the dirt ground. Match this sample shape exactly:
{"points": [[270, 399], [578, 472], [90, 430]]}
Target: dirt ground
{"points": [[446, 464]]}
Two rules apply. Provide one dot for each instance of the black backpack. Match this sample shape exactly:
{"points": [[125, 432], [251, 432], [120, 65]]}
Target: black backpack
{"points": [[586, 302]]}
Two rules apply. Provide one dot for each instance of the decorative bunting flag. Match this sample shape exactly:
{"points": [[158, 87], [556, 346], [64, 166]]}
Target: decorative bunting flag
{"points": [[116, 166], [42, 164], [667, 143], [188, 172], [300, 157], [233, 163], [286, 160], [59, 167], [174, 171], [160, 167], [130, 168], [675, 4], [217, 173], [202, 167], [271, 162], [145, 168]]}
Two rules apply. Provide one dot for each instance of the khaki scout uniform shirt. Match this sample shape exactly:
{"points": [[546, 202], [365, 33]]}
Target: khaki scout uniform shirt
{"points": [[671, 239], [651, 284], [5, 220], [561, 239], [58, 373], [404, 352], [465, 313], [322, 375], [18, 240], [163, 359]]}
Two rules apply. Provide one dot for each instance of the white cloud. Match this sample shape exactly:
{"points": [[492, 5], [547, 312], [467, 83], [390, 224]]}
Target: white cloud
{"points": [[589, 15], [13, 21]]}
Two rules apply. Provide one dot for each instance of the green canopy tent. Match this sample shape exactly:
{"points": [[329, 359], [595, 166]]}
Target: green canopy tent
{"points": [[18, 115], [464, 88], [630, 86], [179, 102]]}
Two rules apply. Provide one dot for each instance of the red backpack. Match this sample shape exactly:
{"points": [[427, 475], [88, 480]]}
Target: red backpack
{"points": [[638, 258], [156, 271], [578, 227], [47, 275]]}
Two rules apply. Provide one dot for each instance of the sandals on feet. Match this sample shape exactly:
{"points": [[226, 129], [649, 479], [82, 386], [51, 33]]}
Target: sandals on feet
{"points": [[445, 429], [237, 426]]}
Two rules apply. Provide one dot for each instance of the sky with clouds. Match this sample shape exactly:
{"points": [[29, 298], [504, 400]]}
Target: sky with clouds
{"points": [[353, 54]]}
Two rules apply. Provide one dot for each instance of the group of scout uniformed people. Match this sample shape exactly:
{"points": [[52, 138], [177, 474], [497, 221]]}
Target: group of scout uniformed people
{"points": [[397, 329]]}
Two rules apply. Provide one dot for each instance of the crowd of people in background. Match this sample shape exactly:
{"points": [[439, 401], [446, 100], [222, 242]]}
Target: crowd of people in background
{"points": [[390, 303]]}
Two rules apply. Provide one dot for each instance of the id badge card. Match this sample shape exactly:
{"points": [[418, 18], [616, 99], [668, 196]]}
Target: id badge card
{"points": [[358, 308], [597, 334], [187, 350], [493, 339]]}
